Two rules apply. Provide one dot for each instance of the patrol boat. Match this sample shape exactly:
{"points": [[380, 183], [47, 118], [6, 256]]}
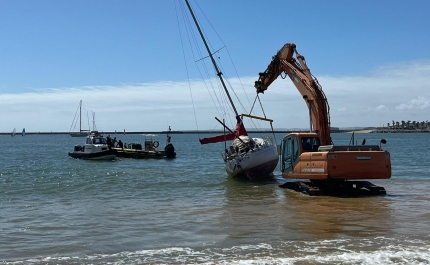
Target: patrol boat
{"points": [[95, 148]]}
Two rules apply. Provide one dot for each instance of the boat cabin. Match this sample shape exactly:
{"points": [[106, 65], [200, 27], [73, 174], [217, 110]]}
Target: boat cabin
{"points": [[96, 140], [150, 144]]}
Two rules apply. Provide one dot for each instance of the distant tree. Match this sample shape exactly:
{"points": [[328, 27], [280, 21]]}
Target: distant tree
{"points": [[409, 125]]}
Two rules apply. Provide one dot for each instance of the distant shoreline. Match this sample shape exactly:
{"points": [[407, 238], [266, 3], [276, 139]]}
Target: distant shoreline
{"points": [[157, 132], [376, 130]]}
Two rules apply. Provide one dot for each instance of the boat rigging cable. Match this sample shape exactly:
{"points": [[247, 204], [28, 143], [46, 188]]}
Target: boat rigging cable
{"points": [[192, 39], [262, 109], [229, 56], [75, 121], [186, 69], [219, 99]]}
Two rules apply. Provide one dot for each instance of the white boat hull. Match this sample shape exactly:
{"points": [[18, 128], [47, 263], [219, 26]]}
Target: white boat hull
{"points": [[101, 155], [79, 134], [106, 157], [258, 163]]}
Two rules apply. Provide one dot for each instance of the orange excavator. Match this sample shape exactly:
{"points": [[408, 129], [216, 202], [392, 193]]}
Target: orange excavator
{"points": [[331, 169]]}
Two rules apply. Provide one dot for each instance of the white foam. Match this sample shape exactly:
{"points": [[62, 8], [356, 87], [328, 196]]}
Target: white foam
{"points": [[338, 251]]}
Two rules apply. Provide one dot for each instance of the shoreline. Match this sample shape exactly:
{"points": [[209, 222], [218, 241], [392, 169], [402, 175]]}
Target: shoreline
{"points": [[251, 131]]}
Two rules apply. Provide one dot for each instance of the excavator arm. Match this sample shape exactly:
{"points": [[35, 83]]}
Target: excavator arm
{"points": [[305, 82]]}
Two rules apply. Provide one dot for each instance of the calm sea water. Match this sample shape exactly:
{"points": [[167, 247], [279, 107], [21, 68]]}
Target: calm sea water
{"points": [[58, 210]]}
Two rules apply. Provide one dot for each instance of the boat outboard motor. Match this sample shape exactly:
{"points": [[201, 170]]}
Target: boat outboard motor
{"points": [[78, 148], [170, 151]]}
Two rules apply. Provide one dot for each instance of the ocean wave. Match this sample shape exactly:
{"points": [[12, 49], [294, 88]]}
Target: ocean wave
{"points": [[339, 251]]}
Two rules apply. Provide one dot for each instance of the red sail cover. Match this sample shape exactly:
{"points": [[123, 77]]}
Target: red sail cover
{"points": [[239, 131]]}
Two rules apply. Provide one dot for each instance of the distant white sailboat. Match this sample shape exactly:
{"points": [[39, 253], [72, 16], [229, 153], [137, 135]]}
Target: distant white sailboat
{"points": [[13, 132], [81, 133], [23, 132]]}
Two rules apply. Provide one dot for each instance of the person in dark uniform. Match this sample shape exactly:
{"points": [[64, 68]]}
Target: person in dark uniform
{"points": [[109, 141], [120, 144]]}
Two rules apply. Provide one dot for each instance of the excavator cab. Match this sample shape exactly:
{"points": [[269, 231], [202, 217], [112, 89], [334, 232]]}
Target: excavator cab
{"points": [[289, 153], [295, 144]]}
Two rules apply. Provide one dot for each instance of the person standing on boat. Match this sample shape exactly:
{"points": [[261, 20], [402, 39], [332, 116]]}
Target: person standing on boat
{"points": [[114, 142], [109, 141], [120, 144]]}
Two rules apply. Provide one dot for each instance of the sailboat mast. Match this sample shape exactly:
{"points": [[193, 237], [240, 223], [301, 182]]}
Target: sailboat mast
{"points": [[94, 121], [219, 74], [80, 116]]}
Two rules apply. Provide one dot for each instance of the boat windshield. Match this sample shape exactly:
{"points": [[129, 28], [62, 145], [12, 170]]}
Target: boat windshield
{"points": [[99, 140]]}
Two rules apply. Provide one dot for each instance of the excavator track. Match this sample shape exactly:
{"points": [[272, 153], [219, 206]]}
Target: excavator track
{"points": [[346, 188]]}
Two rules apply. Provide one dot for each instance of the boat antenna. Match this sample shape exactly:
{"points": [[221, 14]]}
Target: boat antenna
{"points": [[219, 73]]}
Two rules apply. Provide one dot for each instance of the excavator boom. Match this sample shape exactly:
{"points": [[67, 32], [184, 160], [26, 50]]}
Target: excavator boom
{"points": [[288, 61]]}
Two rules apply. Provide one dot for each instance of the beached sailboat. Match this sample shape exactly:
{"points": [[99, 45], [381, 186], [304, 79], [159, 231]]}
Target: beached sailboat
{"points": [[81, 133], [253, 158]]}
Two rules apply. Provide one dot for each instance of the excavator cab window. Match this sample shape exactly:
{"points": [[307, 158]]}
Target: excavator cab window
{"points": [[310, 144], [286, 154], [290, 153], [295, 148]]}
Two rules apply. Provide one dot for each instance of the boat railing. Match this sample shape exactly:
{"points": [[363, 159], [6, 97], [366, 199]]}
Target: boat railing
{"points": [[269, 140], [229, 154]]}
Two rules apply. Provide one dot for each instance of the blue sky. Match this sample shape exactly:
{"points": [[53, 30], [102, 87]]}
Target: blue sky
{"points": [[129, 62]]}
